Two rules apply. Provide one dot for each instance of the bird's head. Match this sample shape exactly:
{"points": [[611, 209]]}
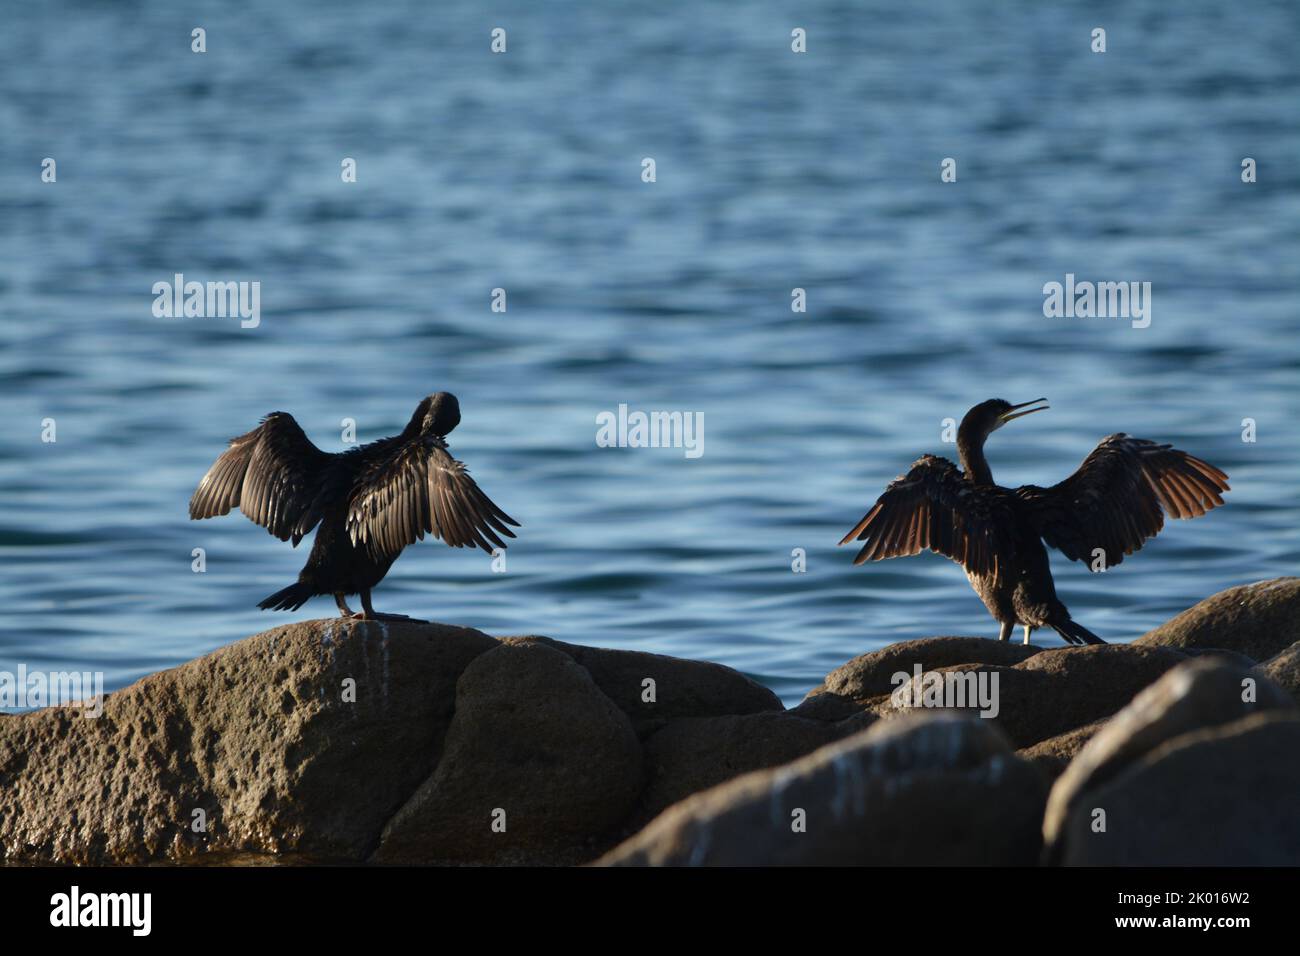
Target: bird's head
{"points": [[987, 417], [441, 413]]}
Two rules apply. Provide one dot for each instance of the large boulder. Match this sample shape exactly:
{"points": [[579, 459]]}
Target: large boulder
{"points": [[1284, 669], [303, 739], [822, 706], [691, 754], [419, 743], [874, 674], [1054, 754], [394, 742], [1135, 757], [925, 790], [681, 688], [1223, 796], [538, 766], [1258, 620], [1050, 693]]}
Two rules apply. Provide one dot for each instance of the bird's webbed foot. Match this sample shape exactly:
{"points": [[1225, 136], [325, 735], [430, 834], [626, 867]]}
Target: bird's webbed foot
{"points": [[369, 613]]}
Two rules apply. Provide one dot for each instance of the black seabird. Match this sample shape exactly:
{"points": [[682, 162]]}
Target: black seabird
{"points": [[370, 502], [1105, 510]]}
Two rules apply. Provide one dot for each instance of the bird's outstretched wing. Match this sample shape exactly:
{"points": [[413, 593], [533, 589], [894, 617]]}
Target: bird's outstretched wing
{"points": [[273, 474], [933, 506], [1117, 498], [418, 488]]}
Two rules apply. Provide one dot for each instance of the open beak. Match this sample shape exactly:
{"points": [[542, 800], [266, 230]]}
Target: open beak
{"points": [[1013, 413]]}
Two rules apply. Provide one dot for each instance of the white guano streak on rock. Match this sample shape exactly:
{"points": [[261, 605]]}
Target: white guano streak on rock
{"points": [[839, 798], [700, 844], [849, 767], [327, 640], [780, 781]]}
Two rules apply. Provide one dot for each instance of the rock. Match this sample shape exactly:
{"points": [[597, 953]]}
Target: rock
{"points": [[328, 741], [824, 706], [683, 688], [256, 735], [1054, 754], [1222, 796], [1228, 657], [871, 675], [925, 790], [1199, 694], [691, 754], [833, 707], [1057, 690], [448, 725], [535, 744], [1285, 670], [1090, 683], [1258, 620]]}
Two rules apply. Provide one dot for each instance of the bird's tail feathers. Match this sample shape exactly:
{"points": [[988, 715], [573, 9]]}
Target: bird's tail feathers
{"points": [[289, 599], [1076, 633]]}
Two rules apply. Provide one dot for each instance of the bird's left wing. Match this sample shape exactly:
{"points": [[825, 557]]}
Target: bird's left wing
{"points": [[1117, 498], [933, 506], [419, 488], [273, 474]]}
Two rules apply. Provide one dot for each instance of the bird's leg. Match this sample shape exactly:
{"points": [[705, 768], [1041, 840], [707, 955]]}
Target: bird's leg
{"points": [[1005, 635], [341, 600], [1028, 628], [368, 613]]}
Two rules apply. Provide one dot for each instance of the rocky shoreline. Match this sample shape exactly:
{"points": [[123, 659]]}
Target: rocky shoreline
{"points": [[326, 741]]}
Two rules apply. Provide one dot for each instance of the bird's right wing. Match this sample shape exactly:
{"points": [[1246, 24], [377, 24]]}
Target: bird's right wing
{"points": [[1113, 502], [273, 474], [418, 489], [933, 506]]}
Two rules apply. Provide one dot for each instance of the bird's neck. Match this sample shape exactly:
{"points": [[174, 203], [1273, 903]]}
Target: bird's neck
{"points": [[973, 462]]}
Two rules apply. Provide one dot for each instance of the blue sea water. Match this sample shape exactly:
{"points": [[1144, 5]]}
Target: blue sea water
{"points": [[522, 171]]}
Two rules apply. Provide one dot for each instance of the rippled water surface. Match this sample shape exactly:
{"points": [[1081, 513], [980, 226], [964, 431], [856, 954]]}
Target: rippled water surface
{"points": [[522, 171]]}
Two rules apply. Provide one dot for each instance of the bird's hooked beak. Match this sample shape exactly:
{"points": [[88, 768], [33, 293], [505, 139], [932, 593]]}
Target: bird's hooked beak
{"points": [[1013, 412]]}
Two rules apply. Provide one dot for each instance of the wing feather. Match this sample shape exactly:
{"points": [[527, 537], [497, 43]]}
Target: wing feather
{"points": [[419, 489], [1118, 497], [934, 507], [273, 474]]}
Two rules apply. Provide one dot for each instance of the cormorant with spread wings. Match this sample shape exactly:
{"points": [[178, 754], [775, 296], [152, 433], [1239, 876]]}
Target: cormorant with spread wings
{"points": [[368, 503], [1108, 508]]}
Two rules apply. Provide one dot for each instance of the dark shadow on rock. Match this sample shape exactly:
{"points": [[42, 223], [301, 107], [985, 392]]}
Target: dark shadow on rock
{"points": [[1194, 704], [922, 790]]}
